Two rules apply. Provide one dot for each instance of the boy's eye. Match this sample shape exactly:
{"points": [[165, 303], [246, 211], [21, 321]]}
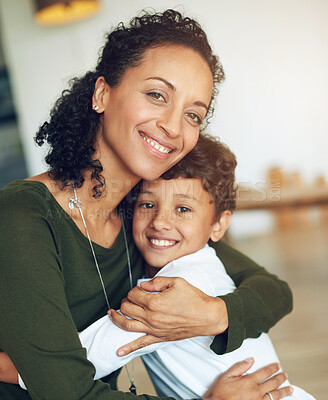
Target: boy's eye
{"points": [[146, 205], [156, 96], [183, 209], [195, 118]]}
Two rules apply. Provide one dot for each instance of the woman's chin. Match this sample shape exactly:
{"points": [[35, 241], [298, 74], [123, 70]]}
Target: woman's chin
{"points": [[151, 174]]}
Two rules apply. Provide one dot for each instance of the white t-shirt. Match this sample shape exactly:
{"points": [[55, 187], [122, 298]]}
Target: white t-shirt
{"points": [[185, 368]]}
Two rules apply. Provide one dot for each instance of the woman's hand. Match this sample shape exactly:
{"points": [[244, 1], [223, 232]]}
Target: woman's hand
{"points": [[233, 385], [8, 372], [179, 311]]}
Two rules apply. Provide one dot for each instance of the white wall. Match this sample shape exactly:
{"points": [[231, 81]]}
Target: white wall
{"points": [[272, 109]]}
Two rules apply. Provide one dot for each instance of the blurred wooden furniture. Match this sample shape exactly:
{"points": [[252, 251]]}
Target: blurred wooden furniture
{"points": [[288, 197]]}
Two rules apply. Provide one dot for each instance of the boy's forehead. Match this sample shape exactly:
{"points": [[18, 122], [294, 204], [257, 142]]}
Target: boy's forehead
{"points": [[190, 188]]}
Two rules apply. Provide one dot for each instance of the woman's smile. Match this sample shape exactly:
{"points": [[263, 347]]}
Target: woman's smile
{"points": [[157, 146]]}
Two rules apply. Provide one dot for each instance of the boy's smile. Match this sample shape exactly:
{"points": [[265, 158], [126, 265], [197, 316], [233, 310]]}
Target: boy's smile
{"points": [[172, 218]]}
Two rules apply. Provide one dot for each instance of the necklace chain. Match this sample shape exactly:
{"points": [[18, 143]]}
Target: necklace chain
{"points": [[76, 202]]}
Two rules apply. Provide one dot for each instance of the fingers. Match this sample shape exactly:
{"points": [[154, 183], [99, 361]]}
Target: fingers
{"points": [[264, 373], [240, 368], [280, 393], [158, 284], [127, 324], [137, 344], [138, 302], [273, 383], [138, 296], [133, 310]]}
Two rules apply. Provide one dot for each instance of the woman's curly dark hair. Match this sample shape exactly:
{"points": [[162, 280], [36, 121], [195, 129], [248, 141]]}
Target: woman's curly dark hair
{"points": [[73, 125]]}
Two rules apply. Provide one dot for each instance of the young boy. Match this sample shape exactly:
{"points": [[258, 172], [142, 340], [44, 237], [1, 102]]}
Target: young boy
{"points": [[174, 217]]}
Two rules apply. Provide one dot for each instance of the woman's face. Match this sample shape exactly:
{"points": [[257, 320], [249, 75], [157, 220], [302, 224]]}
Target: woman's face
{"points": [[152, 118]]}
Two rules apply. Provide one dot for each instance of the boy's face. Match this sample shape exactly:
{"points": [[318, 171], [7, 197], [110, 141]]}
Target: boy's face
{"points": [[172, 218]]}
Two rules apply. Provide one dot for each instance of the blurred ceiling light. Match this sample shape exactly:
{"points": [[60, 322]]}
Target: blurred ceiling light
{"points": [[58, 12]]}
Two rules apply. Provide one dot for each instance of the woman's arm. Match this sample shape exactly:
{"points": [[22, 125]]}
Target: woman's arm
{"points": [[258, 303]]}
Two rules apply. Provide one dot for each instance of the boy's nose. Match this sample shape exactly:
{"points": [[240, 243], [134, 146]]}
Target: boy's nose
{"points": [[162, 220]]}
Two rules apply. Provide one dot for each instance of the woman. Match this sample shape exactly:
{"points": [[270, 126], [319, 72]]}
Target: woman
{"points": [[64, 249]]}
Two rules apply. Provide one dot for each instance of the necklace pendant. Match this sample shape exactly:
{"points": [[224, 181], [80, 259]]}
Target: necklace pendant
{"points": [[133, 389], [74, 202], [71, 204]]}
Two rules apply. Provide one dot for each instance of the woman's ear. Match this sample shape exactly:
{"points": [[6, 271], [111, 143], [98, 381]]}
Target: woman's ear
{"points": [[220, 226], [100, 95]]}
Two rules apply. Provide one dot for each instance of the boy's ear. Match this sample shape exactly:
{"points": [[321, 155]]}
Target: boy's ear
{"points": [[100, 94], [220, 226]]}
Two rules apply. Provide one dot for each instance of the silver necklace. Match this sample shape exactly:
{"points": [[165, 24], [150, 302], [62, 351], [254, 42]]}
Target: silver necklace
{"points": [[76, 202]]}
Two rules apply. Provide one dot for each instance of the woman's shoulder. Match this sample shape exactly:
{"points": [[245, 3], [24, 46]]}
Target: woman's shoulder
{"points": [[24, 191], [23, 198]]}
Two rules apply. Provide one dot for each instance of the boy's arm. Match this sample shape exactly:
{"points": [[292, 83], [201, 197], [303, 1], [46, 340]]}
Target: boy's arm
{"points": [[103, 338], [259, 302]]}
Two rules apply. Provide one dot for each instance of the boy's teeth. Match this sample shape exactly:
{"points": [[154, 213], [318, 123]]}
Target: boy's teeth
{"points": [[156, 145], [162, 243]]}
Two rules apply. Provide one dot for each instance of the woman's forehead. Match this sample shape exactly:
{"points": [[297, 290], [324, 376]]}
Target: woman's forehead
{"points": [[180, 66]]}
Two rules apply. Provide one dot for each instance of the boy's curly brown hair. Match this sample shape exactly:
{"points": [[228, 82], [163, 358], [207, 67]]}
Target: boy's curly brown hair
{"points": [[214, 164]]}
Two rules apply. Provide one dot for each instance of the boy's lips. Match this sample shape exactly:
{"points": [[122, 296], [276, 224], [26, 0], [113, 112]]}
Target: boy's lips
{"points": [[162, 243]]}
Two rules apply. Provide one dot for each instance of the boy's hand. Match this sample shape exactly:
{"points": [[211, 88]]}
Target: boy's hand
{"points": [[179, 311], [8, 372], [234, 385]]}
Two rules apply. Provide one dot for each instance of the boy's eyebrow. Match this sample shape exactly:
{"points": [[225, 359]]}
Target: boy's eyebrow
{"points": [[172, 87], [145, 192], [180, 195], [185, 196]]}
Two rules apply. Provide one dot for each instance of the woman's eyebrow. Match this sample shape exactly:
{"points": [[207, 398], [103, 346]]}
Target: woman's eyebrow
{"points": [[172, 87], [167, 83]]}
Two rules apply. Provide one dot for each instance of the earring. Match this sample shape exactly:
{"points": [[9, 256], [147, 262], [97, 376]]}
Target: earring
{"points": [[95, 107]]}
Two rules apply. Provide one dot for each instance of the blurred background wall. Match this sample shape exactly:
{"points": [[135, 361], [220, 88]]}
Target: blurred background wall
{"points": [[272, 108]]}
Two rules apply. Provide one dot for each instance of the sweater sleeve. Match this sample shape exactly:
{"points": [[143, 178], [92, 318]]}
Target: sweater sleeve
{"points": [[259, 302], [37, 330]]}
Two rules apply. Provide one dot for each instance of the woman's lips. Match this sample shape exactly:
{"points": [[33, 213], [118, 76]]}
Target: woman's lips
{"points": [[157, 146]]}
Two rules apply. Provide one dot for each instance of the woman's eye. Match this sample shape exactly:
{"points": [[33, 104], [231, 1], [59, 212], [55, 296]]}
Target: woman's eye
{"points": [[183, 209], [156, 96], [195, 118]]}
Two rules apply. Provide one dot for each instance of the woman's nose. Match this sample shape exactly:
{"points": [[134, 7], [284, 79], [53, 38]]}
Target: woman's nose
{"points": [[162, 220], [170, 122]]}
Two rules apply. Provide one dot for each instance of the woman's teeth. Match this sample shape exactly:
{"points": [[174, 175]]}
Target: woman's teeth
{"points": [[163, 243], [156, 145]]}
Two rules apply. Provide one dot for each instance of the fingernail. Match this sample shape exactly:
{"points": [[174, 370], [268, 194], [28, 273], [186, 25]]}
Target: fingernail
{"points": [[109, 313], [291, 389], [121, 353], [248, 360]]}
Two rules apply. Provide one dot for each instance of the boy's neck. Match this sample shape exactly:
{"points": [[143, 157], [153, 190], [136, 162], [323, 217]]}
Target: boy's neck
{"points": [[151, 271]]}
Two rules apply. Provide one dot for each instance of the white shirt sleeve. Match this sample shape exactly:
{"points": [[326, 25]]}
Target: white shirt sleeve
{"points": [[103, 338]]}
